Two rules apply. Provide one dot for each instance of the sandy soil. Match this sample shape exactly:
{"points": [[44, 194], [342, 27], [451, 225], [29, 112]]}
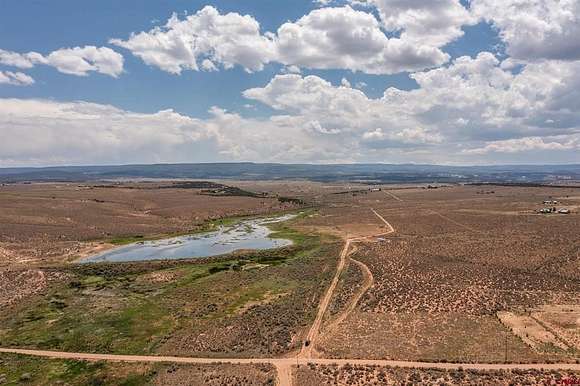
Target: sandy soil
{"points": [[530, 331]]}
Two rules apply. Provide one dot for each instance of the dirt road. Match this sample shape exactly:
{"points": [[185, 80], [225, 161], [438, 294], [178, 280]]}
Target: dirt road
{"points": [[389, 226], [312, 336], [284, 371], [288, 362], [308, 348]]}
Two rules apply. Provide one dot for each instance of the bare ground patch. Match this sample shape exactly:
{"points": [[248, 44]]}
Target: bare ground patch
{"points": [[531, 332]]}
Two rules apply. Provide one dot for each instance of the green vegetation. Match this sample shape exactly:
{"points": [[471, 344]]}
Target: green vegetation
{"points": [[127, 240], [143, 308], [21, 369], [207, 226]]}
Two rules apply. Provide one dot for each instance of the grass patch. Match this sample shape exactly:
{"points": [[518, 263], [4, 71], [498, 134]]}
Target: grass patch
{"points": [[136, 307], [21, 369], [207, 226], [127, 240]]}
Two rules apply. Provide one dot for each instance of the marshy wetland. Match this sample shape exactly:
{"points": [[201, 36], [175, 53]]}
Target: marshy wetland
{"points": [[246, 234]]}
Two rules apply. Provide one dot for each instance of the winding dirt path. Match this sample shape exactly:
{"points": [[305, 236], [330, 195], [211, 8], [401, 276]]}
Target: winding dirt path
{"points": [[368, 281], [308, 350]]}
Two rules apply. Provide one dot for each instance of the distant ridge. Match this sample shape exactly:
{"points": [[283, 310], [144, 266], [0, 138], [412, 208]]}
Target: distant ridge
{"points": [[369, 173]]}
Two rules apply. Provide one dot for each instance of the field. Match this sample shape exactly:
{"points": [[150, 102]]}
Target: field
{"points": [[457, 258], [457, 274]]}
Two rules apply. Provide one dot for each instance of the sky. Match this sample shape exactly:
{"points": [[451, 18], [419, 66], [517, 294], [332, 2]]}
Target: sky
{"points": [[459, 82]]}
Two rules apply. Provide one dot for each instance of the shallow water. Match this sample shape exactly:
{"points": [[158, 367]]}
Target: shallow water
{"points": [[248, 234]]}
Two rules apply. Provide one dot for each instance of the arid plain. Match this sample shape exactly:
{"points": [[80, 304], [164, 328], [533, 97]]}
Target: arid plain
{"points": [[384, 284]]}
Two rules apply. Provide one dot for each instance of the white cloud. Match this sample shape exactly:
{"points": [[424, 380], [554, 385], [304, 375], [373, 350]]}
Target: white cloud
{"points": [[410, 136], [344, 38], [48, 132], [345, 83], [73, 61], [456, 108], [535, 29], [474, 109], [307, 95], [291, 70], [323, 3], [207, 35], [15, 78], [526, 144], [432, 22], [16, 59], [316, 128], [81, 60], [326, 38]]}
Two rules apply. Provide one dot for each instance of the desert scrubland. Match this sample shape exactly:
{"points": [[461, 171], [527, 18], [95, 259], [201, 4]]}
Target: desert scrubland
{"points": [[456, 274]]}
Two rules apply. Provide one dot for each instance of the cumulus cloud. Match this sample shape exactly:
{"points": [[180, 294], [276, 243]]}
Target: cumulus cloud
{"points": [[15, 59], [15, 78], [458, 107], [344, 38], [74, 61], [317, 128], [326, 38], [206, 38], [527, 144], [308, 95], [432, 22], [474, 108], [532, 30], [410, 136], [81, 60], [48, 132]]}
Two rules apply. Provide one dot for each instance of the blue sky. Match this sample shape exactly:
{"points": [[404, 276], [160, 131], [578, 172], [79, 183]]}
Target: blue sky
{"points": [[146, 89], [451, 30]]}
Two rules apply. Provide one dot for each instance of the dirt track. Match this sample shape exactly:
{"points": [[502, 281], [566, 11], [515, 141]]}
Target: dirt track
{"points": [[287, 362], [394, 196], [456, 223], [368, 282], [311, 338]]}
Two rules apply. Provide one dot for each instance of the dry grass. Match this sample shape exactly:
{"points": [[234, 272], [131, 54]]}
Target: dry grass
{"points": [[456, 259], [216, 375], [355, 375]]}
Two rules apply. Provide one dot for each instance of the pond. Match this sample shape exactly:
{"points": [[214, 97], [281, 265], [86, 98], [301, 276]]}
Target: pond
{"points": [[247, 234]]}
